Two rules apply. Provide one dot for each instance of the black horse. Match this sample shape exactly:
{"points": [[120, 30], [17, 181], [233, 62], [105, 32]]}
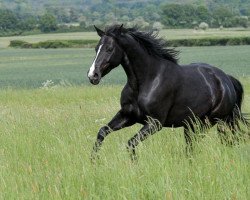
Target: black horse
{"points": [[160, 92]]}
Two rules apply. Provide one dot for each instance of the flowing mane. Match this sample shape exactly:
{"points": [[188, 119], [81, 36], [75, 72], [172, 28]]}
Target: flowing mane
{"points": [[153, 44]]}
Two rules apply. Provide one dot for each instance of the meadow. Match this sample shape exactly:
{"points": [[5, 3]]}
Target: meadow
{"points": [[170, 34], [47, 133], [29, 68]]}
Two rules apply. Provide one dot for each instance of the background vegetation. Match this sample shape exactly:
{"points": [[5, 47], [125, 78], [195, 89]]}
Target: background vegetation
{"points": [[87, 39], [29, 16], [92, 43]]}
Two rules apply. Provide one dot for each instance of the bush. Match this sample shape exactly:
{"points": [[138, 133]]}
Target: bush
{"points": [[92, 43], [204, 26], [20, 44], [54, 44], [210, 42], [157, 26], [47, 23]]}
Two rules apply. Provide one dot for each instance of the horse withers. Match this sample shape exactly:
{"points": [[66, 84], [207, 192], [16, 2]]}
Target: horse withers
{"points": [[157, 87]]}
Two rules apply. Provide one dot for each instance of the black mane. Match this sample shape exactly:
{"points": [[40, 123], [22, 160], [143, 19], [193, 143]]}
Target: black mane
{"points": [[153, 44]]}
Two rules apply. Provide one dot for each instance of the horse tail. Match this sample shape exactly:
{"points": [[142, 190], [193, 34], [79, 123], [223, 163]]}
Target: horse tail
{"points": [[237, 115]]}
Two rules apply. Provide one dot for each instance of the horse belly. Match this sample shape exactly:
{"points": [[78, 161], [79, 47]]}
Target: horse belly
{"points": [[195, 98], [180, 116]]}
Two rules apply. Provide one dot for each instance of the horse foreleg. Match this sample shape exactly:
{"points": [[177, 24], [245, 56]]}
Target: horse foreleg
{"points": [[147, 130], [119, 121]]}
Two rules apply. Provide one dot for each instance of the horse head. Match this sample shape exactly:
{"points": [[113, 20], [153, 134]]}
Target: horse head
{"points": [[108, 55]]}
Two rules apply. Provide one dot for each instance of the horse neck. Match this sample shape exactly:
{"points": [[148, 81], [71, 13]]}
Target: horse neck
{"points": [[131, 76], [137, 64]]}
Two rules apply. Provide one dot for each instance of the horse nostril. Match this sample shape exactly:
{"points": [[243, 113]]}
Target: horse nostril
{"points": [[96, 75]]}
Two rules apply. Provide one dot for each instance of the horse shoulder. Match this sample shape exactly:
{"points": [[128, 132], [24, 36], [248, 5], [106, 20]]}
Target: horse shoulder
{"points": [[155, 104], [129, 101]]}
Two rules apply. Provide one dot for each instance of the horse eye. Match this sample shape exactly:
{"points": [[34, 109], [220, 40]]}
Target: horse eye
{"points": [[109, 49]]}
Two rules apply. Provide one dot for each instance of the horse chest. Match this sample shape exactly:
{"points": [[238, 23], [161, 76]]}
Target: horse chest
{"points": [[131, 107], [129, 103]]}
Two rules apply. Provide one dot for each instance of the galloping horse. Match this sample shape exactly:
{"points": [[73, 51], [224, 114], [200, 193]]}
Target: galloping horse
{"points": [[159, 88]]}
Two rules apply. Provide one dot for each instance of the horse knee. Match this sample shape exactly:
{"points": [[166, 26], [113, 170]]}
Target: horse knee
{"points": [[131, 144], [102, 133]]}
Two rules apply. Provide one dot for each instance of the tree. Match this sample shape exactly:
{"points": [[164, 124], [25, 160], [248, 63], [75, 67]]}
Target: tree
{"points": [[139, 21], [223, 16], [8, 20], [48, 23], [74, 15], [240, 21], [172, 14], [202, 13], [28, 23], [177, 15]]}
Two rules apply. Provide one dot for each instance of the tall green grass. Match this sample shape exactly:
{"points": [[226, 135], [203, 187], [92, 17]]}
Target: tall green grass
{"points": [[47, 133], [46, 137]]}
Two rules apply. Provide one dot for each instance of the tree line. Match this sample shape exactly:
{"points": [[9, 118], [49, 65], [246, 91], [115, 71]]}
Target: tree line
{"points": [[156, 15]]}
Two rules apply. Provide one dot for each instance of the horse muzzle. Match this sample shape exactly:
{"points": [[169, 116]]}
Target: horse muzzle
{"points": [[94, 79]]}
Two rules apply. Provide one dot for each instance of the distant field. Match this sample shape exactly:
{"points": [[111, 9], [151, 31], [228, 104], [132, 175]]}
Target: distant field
{"points": [[167, 34], [29, 68]]}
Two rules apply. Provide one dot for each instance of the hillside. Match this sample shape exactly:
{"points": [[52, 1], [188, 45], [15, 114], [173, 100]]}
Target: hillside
{"points": [[36, 16], [41, 5]]}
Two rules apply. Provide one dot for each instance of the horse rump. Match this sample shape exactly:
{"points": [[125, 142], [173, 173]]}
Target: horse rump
{"points": [[236, 118]]}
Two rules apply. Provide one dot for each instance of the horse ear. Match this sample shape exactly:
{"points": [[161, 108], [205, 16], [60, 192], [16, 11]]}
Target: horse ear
{"points": [[99, 31], [120, 30]]}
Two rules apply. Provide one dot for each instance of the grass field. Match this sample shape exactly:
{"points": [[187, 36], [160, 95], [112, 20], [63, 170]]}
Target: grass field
{"points": [[166, 33], [21, 68], [46, 135]]}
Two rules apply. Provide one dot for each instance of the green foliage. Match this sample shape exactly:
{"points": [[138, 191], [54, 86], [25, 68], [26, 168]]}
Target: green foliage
{"points": [[47, 23], [14, 24], [20, 44], [8, 20], [92, 43], [29, 23], [241, 21], [210, 42], [223, 16], [187, 15], [178, 15], [76, 16], [53, 44]]}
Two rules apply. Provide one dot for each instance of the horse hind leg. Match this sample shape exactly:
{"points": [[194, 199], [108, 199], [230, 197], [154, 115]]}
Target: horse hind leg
{"points": [[194, 131], [229, 129], [150, 128]]}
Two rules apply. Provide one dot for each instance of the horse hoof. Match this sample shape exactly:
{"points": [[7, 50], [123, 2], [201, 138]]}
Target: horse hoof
{"points": [[94, 157]]}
